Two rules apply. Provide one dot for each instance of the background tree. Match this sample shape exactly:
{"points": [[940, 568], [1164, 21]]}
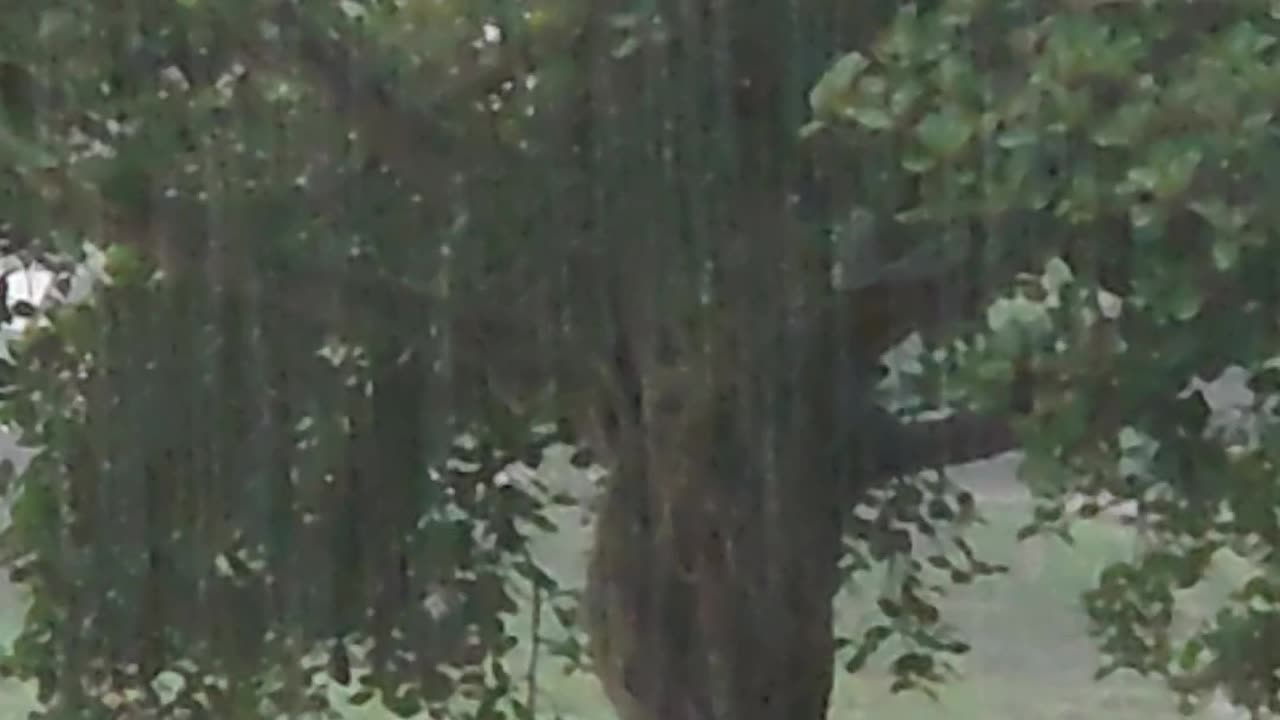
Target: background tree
{"points": [[365, 261]]}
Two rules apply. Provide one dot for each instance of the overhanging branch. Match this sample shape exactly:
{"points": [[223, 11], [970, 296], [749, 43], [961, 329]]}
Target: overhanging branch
{"points": [[928, 293], [910, 447]]}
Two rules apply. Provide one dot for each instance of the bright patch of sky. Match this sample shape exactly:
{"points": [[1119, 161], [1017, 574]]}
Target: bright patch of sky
{"points": [[26, 284], [33, 284]]}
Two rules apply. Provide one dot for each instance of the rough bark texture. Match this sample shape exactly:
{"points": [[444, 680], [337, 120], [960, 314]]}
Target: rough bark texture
{"points": [[717, 543], [716, 551], [728, 626], [710, 586]]}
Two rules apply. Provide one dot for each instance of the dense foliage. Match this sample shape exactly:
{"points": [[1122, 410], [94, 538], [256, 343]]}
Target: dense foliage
{"points": [[1136, 142], [258, 539], [366, 261], [252, 474]]}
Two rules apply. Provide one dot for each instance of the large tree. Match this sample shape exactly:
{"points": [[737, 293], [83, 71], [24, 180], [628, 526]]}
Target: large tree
{"points": [[366, 260]]}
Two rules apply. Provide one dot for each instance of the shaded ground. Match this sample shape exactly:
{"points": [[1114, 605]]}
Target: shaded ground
{"points": [[1031, 661], [1032, 658]]}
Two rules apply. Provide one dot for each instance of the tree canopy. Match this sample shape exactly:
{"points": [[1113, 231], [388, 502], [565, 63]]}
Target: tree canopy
{"points": [[1131, 142], [361, 263]]}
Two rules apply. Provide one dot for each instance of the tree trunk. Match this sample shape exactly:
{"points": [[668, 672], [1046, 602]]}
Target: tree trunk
{"points": [[709, 591], [728, 615]]}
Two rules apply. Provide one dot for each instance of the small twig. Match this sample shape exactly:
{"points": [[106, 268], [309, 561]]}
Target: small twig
{"points": [[535, 649]]}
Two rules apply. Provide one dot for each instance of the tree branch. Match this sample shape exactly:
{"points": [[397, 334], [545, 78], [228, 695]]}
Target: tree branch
{"points": [[407, 135], [962, 437], [411, 139], [915, 297]]}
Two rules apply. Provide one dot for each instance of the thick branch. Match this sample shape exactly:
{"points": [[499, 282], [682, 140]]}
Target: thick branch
{"points": [[961, 437], [928, 292]]}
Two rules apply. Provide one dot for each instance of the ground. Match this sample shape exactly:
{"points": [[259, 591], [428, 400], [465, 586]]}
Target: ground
{"points": [[1031, 658]]}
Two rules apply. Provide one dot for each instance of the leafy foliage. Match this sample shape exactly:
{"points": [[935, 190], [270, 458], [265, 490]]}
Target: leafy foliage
{"points": [[251, 476], [229, 580], [915, 527], [362, 256], [1132, 146]]}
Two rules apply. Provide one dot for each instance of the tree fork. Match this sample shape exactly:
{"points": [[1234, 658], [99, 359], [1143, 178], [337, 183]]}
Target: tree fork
{"points": [[710, 586]]}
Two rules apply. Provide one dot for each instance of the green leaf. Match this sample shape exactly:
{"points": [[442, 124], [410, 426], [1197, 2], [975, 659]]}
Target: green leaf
{"points": [[900, 685], [857, 661], [1123, 128], [352, 9], [913, 663], [627, 47], [877, 634], [945, 132], [872, 640], [927, 614], [1144, 178], [890, 608], [916, 162], [582, 458], [1178, 172], [871, 117], [833, 87], [1190, 654], [1266, 380], [1057, 274], [1018, 137], [1216, 212], [1064, 534], [811, 129], [1185, 301], [404, 706], [1226, 253]]}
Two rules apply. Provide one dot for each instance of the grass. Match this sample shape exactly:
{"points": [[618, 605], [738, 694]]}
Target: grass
{"points": [[1031, 659]]}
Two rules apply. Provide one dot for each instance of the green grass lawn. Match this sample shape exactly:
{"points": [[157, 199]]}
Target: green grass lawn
{"points": [[1031, 658]]}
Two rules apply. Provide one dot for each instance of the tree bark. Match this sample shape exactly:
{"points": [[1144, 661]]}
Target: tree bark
{"points": [[713, 631], [710, 597], [717, 544]]}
